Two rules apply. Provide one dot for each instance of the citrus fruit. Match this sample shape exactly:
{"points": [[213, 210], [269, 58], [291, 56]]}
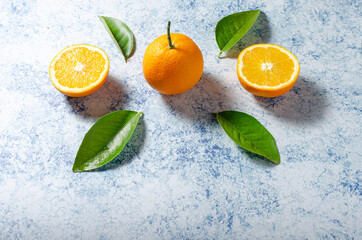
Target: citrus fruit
{"points": [[79, 70], [172, 63], [267, 70]]}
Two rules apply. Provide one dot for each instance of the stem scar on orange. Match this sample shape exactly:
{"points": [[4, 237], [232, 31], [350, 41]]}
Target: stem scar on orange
{"points": [[79, 70], [267, 70], [172, 63]]}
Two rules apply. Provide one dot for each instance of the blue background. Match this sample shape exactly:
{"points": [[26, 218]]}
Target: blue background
{"points": [[180, 176]]}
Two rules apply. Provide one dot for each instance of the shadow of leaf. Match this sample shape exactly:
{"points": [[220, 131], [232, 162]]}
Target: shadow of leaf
{"points": [[305, 102], [198, 104], [107, 99], [260, 32], [260, 160], [130, 151]]}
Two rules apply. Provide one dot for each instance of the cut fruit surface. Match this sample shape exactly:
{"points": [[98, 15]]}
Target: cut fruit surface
{"points": [[267, 70], [79, 70]]}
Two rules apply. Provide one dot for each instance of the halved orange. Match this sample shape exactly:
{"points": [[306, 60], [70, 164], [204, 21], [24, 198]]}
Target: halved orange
{"points": [[267, 70], [79, 70]]}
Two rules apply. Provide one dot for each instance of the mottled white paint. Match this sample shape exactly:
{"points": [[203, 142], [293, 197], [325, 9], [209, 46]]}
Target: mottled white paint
{"points": [[180, 176]]}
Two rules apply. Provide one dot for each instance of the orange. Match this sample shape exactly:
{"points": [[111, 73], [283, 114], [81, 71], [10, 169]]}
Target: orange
{"points": [[267, 70], [172, 63], [79, 70]]}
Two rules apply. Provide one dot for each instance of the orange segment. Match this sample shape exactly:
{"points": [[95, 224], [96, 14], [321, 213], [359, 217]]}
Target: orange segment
{"points": [[79, 70], [267, 70]]}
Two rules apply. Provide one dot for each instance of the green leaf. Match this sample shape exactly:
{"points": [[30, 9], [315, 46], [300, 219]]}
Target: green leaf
{"points": [[105, 140], [249, 134], [230, 29], [120, 33]]}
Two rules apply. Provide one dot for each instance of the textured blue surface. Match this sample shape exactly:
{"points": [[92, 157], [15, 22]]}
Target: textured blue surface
{"points": [[180, 176]]}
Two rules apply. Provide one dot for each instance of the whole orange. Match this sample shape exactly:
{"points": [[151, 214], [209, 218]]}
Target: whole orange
{"points": [[172, 63]]}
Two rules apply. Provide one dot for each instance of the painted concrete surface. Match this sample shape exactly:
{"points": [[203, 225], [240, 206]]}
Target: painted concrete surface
{"points": [[180, 176]]}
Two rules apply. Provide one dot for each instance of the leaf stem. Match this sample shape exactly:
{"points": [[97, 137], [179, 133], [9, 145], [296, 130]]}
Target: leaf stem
{"points": [[170, 45], [219, 54]]}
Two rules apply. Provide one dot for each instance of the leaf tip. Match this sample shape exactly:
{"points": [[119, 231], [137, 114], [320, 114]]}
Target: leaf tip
{"points": [[276, 159], [276, 162], [76, 168]]}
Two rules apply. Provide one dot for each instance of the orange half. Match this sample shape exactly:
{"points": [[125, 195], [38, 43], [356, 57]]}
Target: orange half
{"points": [[267, 70], [79, 70]]}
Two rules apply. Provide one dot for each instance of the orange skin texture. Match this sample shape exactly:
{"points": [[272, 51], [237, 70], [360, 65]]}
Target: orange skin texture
{"points": [[173, 71], [264, 92]]}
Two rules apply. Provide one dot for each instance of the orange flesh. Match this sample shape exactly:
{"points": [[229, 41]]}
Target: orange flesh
{"points": [[79, 67], [267, 66]]}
